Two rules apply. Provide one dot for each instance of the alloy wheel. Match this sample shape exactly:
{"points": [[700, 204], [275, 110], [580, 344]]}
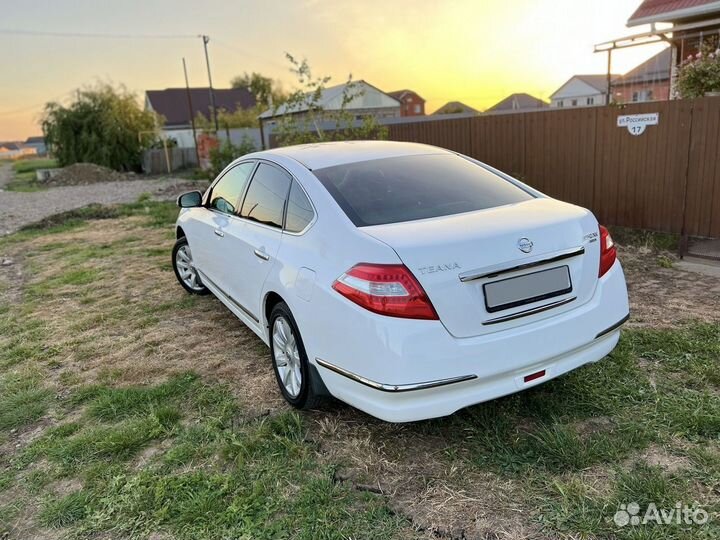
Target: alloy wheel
{"points": [[287, 356], [186, 268]]}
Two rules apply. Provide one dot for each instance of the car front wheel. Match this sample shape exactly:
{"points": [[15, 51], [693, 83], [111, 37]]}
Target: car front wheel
{"points": [[184, 267], [290, 361]]}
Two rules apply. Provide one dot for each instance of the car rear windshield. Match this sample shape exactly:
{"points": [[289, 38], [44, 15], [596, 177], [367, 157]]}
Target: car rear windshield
{"points": [[392, 190]]}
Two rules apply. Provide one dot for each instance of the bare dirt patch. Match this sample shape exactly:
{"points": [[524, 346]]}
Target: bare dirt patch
{"points": [[662, 457], [441, 498], [662, 297]]}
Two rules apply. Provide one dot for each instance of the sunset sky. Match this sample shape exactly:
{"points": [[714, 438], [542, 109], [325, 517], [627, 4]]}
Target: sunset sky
{"points": [[475, 51]]}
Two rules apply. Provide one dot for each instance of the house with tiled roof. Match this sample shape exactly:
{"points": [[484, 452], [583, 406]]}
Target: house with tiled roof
{"points": [[674, 11], [686, 25], [174, 106], [694, 23], [582, 91]]}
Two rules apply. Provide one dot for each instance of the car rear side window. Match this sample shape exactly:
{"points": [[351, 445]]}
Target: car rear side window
{"points": [[227, 191], [299, 211], [265, 199], [392, 190]]}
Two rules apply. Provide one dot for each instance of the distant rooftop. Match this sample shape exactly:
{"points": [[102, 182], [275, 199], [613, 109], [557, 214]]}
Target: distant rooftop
{"points": [[518, 102], [399, 94], [456, 107], [172, 103]]}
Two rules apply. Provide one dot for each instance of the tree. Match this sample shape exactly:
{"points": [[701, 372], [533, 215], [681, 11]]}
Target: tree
{"points": [[241, 118], [103, 125], [294, 128], [267, 91]]}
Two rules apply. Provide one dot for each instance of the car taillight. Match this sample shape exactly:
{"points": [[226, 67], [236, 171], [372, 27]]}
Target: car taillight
{"points": [[608, 252], [387, 289]]}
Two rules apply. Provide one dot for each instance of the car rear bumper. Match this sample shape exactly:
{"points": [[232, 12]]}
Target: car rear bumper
{"points": [[411, 370], [448, 396]]}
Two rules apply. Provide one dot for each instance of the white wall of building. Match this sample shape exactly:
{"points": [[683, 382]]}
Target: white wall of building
{"points": [[184, 137], [577, 93]]}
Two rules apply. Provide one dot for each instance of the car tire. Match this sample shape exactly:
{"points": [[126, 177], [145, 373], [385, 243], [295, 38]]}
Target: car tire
{"points": [[300, 395], [185, 271]]}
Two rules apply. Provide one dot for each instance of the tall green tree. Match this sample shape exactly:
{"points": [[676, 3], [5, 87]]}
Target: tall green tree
{"points": [[267, 91], [104, 125]]}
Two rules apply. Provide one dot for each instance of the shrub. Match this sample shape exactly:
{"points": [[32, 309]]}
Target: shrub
{"points": [[221, 156], [700, 74]]}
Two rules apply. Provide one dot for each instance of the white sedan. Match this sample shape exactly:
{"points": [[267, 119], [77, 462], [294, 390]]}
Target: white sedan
{"points": [[406, 280]]}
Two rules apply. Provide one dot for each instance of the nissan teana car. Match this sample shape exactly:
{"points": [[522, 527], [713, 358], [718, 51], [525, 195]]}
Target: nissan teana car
{"points": [[406, 280]]}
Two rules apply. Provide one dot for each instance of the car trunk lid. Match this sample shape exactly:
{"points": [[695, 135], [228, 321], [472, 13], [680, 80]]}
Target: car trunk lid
{"points": [[503, 267]]}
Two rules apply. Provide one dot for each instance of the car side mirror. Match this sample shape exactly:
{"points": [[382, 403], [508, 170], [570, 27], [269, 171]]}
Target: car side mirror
{"points": [[191, 199]]}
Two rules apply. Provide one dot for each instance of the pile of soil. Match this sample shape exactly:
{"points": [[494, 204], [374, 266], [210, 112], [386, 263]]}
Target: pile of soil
{"points": [[85, 173]]}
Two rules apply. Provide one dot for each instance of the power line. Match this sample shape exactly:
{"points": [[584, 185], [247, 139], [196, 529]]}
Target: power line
{"points": [[244, 52], [42, 33]]}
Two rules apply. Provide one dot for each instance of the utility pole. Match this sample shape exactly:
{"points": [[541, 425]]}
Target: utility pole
{"points": [[206, 39], [192, 113]]}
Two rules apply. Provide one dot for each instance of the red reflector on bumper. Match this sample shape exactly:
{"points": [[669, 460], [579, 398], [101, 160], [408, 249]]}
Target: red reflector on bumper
{"points": [[534, 376]]}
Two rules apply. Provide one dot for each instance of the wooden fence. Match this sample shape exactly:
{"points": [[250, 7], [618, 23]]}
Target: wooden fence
{"points": [[667, 179]]}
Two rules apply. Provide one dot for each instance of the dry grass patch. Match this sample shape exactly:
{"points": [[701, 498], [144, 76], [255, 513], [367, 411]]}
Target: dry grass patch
{"points": [[98, 315]]}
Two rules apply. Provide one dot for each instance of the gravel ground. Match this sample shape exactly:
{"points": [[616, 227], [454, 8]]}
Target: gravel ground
{"points": [[19, 209]]}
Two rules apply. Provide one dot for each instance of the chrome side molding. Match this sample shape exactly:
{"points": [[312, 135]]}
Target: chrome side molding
{"points": [[527, 312], [392, 387], [520, 264], [614, 326], [229, 298]]}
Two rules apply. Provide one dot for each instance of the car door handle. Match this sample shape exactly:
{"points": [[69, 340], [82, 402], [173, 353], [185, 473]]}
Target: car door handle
{"points": [[263, 256], [219, 233]]}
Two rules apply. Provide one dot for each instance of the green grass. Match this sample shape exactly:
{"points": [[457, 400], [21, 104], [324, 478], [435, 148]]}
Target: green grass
{"points": [[25, 178], [65, 511], [23, 400], [31, 165], [217, 479]]}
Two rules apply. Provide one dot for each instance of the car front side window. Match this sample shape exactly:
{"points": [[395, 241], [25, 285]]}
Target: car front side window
{"points": [[226, 193]]}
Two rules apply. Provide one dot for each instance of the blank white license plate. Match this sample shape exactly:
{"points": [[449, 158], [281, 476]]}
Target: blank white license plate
{"points": [[526, 289]]}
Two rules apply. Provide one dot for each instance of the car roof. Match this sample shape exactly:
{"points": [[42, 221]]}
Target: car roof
{"points": [[328, 154]]}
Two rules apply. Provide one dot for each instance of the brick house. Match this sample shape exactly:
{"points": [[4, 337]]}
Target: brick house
{"points": [[412, 103], [650, 81]]}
